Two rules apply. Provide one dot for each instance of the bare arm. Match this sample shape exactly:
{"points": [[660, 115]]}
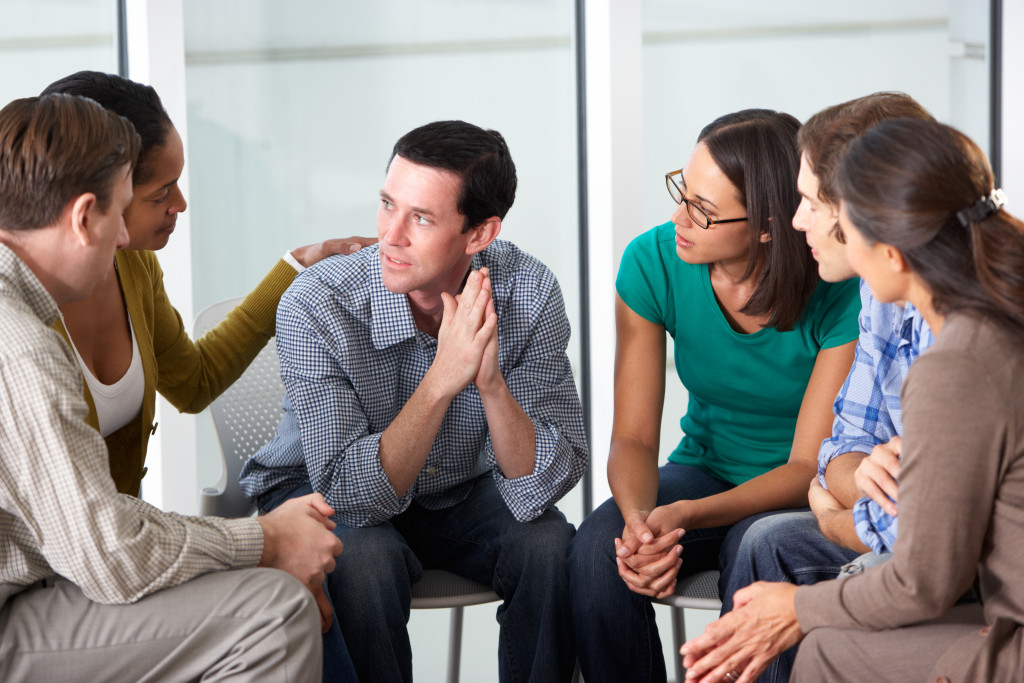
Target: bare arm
{"points": [[834, 520], [636, 430]]}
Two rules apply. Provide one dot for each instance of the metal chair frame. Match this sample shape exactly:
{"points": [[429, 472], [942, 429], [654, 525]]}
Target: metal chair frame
{"points": [[246, 416], [699, 591]]}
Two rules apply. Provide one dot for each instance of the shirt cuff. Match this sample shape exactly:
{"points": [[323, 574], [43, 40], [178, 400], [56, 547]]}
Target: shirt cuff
{"points": [[293, 262]]}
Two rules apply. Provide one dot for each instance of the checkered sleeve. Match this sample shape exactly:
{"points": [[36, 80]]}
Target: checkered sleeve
{"points": [[862, 418], [341, 453], [541, 380]]}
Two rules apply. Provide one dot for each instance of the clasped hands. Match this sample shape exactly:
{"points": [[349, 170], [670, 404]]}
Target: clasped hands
{"points": [[648, 552], [298, 539], [467, 341]]}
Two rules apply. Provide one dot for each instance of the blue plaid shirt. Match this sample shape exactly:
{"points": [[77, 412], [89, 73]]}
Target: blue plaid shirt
{"points": [[867, 408], [351, 356]]}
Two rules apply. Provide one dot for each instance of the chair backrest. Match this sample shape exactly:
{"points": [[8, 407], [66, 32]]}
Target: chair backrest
{"points": [[245, 416]]}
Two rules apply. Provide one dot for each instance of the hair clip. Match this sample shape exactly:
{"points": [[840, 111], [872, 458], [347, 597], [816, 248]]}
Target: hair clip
{"points": [[983, 208]]}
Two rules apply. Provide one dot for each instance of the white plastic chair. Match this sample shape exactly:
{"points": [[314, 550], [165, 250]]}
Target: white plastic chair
{"points": [[246, 416], [699, 591]]}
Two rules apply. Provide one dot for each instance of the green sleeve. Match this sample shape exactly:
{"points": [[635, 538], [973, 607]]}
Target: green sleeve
{"points": [[837, 317], [642, 281]]}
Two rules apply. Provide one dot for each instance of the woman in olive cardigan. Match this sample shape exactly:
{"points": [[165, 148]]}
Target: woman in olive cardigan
{"points": [[132, 300]]}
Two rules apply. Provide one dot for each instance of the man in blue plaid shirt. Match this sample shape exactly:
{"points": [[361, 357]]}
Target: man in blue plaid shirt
{"points": [[431, 401], [853, 501]]}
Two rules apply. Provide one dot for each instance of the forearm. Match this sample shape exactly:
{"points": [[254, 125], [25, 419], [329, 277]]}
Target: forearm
{"points": [[512, 434], [778, 489], [839, 477], [633, 476], [406, 443], [838, 527]]}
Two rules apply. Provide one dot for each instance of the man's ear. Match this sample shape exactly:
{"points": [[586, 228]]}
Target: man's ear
{"points": [[482, 235], [80, 215]]}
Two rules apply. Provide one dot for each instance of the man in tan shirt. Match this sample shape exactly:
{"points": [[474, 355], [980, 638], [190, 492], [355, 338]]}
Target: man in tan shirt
{"points": [[95, 585]]}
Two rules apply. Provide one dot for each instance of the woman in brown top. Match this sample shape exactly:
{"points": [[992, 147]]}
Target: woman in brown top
{"points": [[923, 224]]}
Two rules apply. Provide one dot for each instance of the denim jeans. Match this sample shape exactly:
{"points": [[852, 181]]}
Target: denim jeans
{"points": [[785, 547], [337, 662], [524, 563], [616, 634]]}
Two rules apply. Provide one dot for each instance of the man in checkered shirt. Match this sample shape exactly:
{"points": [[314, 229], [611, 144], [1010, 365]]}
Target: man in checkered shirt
{"points": [[430, 400], [96, 585]]}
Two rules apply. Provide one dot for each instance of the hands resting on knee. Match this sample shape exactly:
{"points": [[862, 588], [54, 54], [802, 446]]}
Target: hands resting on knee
{"points": [[297, 538]]}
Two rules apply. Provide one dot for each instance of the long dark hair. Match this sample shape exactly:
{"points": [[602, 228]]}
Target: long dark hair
{"points": [[134, 101], [757, 151], [904, 182]]}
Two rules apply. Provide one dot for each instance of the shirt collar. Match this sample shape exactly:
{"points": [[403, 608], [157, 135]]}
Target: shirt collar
{"points": [[391, 319], [18, 281]]}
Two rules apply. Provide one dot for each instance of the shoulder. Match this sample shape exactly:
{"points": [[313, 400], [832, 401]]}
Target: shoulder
{"points": [[830, 295], [510, 265], [27, 340], [973, 359], [338, 281]]}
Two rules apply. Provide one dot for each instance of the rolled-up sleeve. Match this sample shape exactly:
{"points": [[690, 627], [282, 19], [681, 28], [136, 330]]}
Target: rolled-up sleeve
{"points": [[542, 383]]}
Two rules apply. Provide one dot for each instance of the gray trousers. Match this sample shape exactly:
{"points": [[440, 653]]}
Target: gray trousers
{"points": [[242, 625], [891, 656]]}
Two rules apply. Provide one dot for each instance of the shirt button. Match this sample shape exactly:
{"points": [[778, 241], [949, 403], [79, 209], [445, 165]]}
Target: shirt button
{"points": [[431, 470]]}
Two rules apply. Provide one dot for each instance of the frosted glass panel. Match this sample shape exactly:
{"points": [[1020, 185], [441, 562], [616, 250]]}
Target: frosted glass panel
{"points": [[43, 40]]}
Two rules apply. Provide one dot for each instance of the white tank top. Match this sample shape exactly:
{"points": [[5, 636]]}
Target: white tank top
{"points": [[117, 404]]}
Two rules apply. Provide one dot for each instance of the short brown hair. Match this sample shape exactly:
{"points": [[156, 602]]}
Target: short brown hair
{"points": [[827, 135], [55, 148]]}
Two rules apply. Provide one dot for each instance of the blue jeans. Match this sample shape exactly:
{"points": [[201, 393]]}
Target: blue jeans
{"points": [[337, 662], [616, 634], [524, 563], [785, 547]]}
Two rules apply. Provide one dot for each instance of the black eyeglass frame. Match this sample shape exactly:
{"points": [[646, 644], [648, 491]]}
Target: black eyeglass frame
{"points": [[701, 220]]}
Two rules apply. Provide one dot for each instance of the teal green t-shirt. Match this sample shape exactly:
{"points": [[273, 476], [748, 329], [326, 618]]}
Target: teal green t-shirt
{"points": [[745, 389]]}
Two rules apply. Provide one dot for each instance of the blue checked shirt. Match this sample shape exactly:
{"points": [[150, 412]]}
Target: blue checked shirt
{"points": [[351, 356], [867, 409]]}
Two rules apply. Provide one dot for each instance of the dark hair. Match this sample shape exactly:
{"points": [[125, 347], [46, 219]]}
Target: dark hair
{"points": [[480, 158], [756, 150], [827, 134], [136, 102], [903, 184], [54, 149]]}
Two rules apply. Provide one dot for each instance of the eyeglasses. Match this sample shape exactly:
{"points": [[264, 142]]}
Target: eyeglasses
{"points": [[696, 214]]}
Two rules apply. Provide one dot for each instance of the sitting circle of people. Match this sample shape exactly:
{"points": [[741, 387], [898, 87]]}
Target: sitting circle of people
{"points": [[845, 301]]}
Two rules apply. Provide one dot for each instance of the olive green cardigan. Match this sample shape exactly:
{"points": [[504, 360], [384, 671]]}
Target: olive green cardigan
{"points": [[190, 375]]}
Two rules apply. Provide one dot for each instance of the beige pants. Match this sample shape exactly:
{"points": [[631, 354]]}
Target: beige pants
{"points": [[243, 625]]}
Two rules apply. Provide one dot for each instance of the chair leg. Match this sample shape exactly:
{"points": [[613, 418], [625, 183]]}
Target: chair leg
{"points": [[455, 645], [679, 637]]}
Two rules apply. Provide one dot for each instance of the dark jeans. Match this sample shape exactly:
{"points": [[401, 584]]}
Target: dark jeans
{"points": [[524, 563], [337, 662], [785, 547], [616, 634]]}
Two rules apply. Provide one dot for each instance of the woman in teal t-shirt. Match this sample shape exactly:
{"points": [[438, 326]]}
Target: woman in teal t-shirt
{"points": [[762, 347]]}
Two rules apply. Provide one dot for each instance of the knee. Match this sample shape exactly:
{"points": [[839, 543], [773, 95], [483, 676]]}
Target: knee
{"points": [[285, 598], [373, 557], [769, 534], [540, 545], [592, 550]]}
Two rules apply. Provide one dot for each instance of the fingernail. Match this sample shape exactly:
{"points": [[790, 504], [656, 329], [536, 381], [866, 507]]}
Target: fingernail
{"points": [[679, 550], [621, 552], [647, 538]]}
